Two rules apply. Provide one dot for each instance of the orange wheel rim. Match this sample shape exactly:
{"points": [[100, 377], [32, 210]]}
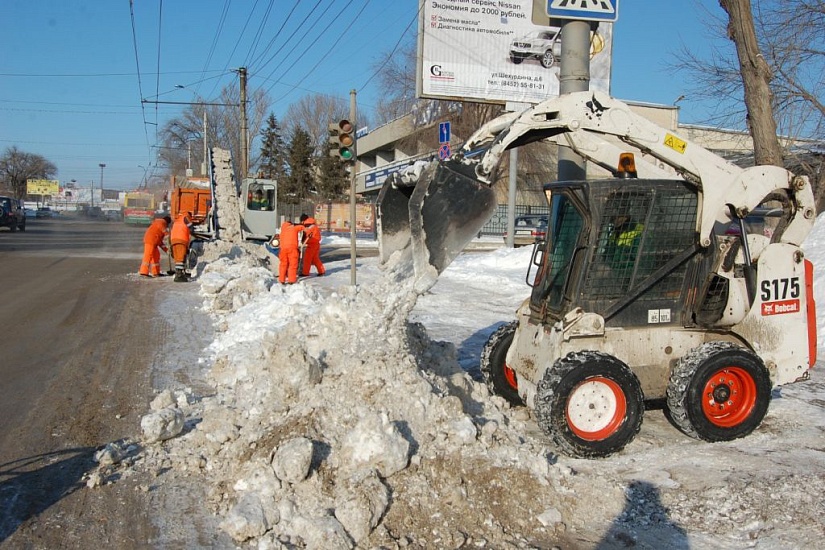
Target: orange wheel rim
{"points": [[596, 408], [510, 376], [729, 397]]}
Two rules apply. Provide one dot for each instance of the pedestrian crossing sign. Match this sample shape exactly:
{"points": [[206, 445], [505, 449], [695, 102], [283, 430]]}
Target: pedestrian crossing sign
{"points": [[585, 10]]}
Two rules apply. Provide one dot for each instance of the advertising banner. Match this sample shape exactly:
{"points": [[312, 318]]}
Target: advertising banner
{"points": [[335, 217], [42, 187], [498, 51]]}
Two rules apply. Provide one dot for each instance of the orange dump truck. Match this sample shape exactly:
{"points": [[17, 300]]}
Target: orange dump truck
{"points": [[192, 200]]}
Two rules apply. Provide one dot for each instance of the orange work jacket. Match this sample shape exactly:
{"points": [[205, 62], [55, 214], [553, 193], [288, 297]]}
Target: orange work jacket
{"points": [[180, 230], [312, 234], [289, 235], [155, 233]]}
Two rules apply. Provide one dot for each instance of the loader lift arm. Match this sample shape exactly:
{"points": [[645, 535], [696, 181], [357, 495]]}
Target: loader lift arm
{"points": [[434, 210]]}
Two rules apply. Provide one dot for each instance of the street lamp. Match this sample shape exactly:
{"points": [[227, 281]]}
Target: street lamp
{"points": [[102, 166]]}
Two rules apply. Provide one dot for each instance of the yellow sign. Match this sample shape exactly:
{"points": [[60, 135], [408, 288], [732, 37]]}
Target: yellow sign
{"points": [[42, 187], [675, 143]]}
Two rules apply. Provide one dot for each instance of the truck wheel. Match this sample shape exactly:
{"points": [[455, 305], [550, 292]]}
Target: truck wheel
{"points": [[590, 404], [718, 392], [548, 59], [500, 379]]}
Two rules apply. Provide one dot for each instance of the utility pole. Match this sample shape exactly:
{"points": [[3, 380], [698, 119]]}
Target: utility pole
{"points": [[244, 129], [352, 232], [102, 166], [204, 170], [574, 76]]}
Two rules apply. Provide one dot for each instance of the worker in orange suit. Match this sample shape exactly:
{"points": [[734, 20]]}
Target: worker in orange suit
{"points": [[179, 239], [289, 255], [312, 252], [152, 245]]}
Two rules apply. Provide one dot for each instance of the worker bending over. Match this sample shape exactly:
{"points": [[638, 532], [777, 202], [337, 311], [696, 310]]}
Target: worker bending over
{"points": [[152, 245]]}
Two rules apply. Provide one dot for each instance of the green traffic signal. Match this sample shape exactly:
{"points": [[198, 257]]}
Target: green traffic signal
{"points": [[342, 140]]}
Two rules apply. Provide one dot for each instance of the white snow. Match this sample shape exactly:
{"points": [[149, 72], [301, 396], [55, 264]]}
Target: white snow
{"points": [[342, 416]]}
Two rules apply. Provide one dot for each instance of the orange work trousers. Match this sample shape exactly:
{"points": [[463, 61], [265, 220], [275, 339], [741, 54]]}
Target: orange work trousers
{"points": [[312, 257], [179, 251], [151, 260], [288, 265]]}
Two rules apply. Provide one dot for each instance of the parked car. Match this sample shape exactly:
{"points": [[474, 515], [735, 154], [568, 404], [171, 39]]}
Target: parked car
{"points": [[529, 229], [44, 212], [12, 214], [544, 45]]}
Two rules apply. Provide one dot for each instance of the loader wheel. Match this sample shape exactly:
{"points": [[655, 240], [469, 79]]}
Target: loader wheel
{"points": [[718, 392], [590, 404], [500, 379]]}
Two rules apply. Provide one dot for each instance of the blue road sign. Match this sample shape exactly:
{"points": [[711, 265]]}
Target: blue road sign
{"points": [[443, 132], [586, 10]]}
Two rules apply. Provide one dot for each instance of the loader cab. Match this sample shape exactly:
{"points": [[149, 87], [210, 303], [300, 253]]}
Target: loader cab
{"points": [[621, 248], [259, 213]]}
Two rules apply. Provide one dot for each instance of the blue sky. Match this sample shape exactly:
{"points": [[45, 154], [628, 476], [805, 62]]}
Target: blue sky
{"points": [[70, 90]]}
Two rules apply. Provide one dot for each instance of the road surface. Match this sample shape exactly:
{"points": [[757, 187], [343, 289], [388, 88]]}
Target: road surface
{"points": [[86, 346], [83, 338]]}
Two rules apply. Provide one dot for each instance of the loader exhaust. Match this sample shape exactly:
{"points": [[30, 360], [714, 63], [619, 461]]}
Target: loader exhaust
{"points": [[435, 214]]}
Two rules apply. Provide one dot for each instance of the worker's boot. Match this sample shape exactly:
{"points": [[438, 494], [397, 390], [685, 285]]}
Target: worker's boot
{"points": [[180, 276]]}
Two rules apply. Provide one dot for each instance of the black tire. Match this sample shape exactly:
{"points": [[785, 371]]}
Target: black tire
{"points": [[590, 404], [500, 379], [718, 392], [516, 60], [548, 59]]}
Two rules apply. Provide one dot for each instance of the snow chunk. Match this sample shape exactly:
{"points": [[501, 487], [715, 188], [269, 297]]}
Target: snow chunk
{"points": [[360, 503], [246, 520], [292, 460], [375, 442], [162, 425]]}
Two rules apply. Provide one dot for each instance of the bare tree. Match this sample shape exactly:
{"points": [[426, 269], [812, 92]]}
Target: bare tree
{"points": [[756, 79], [396, 81], [790, 37], [314, 113], [184, 134], [17, 166]]}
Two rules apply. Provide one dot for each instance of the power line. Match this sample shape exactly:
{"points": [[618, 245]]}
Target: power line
{"points": [[137, 64], [335, 43]]}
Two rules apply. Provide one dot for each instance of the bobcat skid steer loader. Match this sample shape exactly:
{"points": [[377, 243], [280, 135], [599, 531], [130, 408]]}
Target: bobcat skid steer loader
{"points": [[686, 284]]}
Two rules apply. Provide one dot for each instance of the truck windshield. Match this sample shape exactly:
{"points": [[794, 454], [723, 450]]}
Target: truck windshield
{"points": [[563, 235]]}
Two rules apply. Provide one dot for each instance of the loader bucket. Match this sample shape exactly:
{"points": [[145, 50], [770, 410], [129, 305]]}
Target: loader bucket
{"points": [[445, 211], [393, 218]]}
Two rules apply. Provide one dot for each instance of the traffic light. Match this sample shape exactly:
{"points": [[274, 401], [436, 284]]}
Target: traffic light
{"points": [[342, 140]]}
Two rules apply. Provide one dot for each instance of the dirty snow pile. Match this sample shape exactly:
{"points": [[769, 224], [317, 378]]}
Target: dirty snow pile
{"points": [[334, 420]]}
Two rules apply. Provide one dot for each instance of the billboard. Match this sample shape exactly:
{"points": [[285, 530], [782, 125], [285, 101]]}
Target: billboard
{"points": [[335, 217], [42, 187], [497, 51]]}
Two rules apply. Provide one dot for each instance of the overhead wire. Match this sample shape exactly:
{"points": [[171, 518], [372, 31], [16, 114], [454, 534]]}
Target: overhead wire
{"points": [[157, 80], [137, 64], [238, 41], [335, 43], [297, 43], [215, 38], [397, 44], [269, 45]]}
